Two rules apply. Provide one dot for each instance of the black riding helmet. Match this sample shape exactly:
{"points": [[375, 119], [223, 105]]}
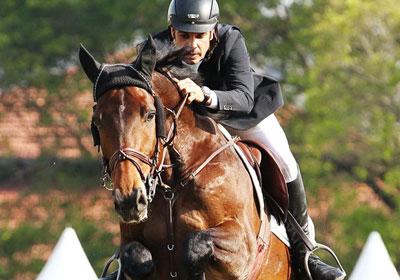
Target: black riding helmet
{"points": [[196, 16]]}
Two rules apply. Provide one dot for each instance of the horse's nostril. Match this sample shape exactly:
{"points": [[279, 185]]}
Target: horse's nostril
{"points": [[118, 197], [141, 198], [116, 205]]}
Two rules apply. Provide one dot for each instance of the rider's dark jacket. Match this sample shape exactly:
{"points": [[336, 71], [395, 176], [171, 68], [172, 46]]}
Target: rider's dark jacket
{"points": [[244, 97]]}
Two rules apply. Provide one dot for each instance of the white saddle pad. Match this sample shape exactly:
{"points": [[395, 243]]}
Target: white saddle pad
{"points": [[278, 230]]}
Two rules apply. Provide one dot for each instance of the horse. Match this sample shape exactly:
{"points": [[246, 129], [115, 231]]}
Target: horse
{"points": [[185, 200]]}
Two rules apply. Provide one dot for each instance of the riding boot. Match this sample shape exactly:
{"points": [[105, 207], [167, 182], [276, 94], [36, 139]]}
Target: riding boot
{"points": [[298, 207]]}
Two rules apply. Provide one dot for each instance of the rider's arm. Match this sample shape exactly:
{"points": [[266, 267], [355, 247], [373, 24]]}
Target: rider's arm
{"points": [[238, 92]]}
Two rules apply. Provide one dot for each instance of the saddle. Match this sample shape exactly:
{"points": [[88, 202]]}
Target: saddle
{"points": [[271, 180]]}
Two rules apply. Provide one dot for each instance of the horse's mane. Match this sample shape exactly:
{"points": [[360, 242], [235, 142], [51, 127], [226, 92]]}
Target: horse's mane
{"points": [[170, 59]]}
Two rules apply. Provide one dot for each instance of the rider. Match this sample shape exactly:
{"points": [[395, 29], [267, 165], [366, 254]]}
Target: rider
{"points": [[237, 98]]}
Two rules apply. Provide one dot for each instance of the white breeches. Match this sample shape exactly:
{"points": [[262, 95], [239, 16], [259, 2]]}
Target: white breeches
{"points": [[270, 133]]}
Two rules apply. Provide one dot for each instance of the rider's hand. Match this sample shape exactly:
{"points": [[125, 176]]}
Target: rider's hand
{"points": [[187, 86]]}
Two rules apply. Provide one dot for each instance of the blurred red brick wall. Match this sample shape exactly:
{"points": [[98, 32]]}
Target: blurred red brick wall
{"points": [[23, 134]]}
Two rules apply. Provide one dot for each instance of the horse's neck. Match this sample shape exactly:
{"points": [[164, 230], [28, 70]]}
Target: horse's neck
{"points": [[196, 137], [166, 90]]}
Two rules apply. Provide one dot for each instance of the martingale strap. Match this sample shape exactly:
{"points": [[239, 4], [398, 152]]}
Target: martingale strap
{"points": [[169, 192], [170, 197]]}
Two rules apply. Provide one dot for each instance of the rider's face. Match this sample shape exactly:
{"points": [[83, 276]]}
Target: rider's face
{"points": [[200, 43]]}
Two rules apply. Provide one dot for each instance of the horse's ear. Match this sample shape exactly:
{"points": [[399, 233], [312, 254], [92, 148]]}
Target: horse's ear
{"points": [[146, 60], [89, 64]]}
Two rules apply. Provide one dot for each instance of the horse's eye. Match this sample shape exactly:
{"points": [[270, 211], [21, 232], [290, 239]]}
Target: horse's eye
{"points": [[150, 115]]}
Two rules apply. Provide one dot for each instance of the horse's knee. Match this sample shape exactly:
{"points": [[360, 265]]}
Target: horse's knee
{"points": [[136, 260], [198, 249]]}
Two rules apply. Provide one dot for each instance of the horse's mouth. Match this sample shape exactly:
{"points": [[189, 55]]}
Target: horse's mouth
{"points": [[133, 217]]}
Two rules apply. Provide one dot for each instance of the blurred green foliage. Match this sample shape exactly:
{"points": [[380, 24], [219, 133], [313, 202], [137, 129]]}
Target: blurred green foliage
{"points": [[39, 40], [65, 174]]}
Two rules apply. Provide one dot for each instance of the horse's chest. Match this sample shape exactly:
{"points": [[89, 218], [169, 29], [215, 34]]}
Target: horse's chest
{"points": [[155, 230], [160, 227]]}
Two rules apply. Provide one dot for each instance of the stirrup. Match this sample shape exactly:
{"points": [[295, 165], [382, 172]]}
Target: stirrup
{"points": [[115, 256], [319, 246]]}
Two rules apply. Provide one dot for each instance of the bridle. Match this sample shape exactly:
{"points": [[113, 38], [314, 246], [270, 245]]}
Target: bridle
{"points": [[155, 163]]}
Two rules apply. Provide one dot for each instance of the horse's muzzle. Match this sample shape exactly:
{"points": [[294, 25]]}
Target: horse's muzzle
{"points": [[131, 208]]}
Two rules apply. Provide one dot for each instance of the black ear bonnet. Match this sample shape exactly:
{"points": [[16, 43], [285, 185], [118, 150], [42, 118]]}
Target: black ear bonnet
{"points": [[108, 76], [118, 76]]}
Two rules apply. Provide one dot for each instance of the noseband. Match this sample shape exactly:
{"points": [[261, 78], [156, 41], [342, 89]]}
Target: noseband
{"points": [[130, 154], [133, 156]]}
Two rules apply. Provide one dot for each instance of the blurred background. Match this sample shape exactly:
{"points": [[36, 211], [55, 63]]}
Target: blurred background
{"points": [[339, 65]]}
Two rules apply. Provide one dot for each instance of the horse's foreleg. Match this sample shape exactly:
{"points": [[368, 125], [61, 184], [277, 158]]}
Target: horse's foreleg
{"points": [[225, 247], [136, 261]]}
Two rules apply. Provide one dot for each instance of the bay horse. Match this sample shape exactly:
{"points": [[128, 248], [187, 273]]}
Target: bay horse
{"points": [[184, 214]]}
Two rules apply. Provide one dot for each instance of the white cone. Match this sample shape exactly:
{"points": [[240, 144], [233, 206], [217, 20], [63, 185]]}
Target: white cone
{"points": [[374, 262], [68, 261]]}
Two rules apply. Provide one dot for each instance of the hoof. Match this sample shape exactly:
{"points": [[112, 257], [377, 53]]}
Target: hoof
{"points": [[136, 260]]}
